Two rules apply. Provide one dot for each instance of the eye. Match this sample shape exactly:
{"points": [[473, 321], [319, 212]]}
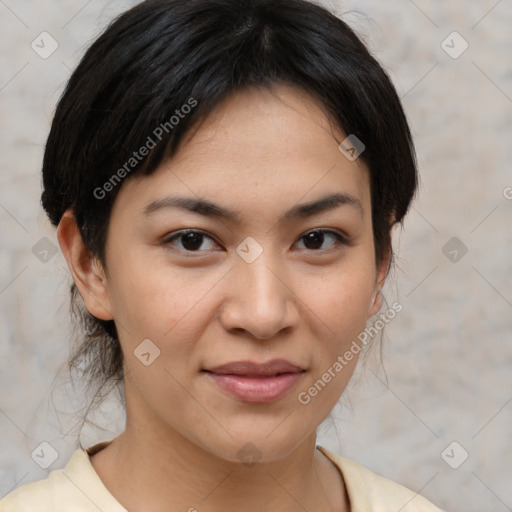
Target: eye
{"points": [[315, 239], [191, 240]]}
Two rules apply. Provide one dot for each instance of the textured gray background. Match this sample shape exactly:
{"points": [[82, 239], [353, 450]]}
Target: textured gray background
{"points": [[448, 354]]}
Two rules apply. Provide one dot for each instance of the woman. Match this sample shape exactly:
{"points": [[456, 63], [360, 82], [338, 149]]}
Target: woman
{"points": [[224, 176]]}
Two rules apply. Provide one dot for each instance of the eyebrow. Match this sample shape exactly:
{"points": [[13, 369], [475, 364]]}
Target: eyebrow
{"points": [[210, 209]]}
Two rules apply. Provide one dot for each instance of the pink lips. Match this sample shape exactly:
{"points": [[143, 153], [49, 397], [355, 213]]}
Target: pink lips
{"points": [[256, 383]]}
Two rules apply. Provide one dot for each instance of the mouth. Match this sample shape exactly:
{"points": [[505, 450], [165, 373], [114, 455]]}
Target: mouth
{"points": [[255, 382]]}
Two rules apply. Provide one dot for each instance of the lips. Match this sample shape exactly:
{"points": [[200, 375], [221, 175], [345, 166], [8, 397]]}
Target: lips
{"points": [[250, 369], [256, 382]]}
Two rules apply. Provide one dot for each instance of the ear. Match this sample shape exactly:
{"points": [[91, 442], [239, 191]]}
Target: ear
{"points": [[382, 273], [88, 273]]}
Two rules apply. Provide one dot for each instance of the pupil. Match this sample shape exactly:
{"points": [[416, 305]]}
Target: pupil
{"points": [[316, 238], [192, 241]]}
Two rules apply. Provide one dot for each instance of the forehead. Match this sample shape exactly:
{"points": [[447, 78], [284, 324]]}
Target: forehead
{"points": [[258, 148]]}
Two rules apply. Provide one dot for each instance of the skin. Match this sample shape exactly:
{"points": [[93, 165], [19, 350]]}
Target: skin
{"points": [[259, 153]]}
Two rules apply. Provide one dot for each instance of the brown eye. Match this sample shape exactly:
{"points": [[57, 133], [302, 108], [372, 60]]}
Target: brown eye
{"points": [[191, 240], [314, 240]]}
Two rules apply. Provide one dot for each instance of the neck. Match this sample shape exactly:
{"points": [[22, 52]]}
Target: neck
{"points": [[151, 471]]}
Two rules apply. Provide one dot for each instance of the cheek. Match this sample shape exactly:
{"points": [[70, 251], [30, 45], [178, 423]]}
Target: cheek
{"points": [[340, 308], [341, 300], [167, 305], [339, 303]]}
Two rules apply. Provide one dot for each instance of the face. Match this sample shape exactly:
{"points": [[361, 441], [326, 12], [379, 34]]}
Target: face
{"points": [[260, 276]]}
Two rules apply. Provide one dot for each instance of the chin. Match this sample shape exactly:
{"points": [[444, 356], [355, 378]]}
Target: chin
{"points": [[256, 446]]}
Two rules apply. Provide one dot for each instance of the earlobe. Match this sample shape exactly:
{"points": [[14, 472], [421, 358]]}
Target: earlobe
{"points": [[376, 303], [88, 273]]}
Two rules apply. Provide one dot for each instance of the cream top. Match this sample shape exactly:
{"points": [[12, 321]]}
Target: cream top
{"points": [[78, 488]]}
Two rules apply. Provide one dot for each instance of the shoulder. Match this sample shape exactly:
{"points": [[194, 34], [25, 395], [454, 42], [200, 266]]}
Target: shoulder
{"points": [[29, 497], [369, 491], [76, 486]]}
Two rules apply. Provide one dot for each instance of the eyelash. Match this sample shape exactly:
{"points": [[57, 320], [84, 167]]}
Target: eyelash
{"points": [[340, 239]]}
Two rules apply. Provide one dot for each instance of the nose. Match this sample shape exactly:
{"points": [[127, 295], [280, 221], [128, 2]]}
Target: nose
{"points": [[259, 300]]}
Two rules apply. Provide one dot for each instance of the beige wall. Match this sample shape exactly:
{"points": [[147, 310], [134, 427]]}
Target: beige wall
{"points": [[448, 353]]}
